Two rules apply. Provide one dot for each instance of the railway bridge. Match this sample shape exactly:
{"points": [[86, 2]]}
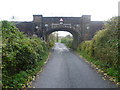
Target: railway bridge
{"points": [[82, 28]]}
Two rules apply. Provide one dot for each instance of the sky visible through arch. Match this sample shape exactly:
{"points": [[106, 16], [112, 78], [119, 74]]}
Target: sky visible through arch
{"points": [[23, 10]]}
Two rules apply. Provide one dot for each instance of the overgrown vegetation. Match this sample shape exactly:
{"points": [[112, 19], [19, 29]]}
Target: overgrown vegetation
{"points": [[67, 40], [22, 56], [102, 50], [51, 40]]}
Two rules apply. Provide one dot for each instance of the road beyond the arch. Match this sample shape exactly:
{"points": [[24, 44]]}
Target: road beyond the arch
{"points": [[67, 70]]}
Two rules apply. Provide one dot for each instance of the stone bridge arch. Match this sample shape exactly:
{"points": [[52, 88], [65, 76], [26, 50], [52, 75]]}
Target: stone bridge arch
{"points": [[82, 28], [76, 35]]}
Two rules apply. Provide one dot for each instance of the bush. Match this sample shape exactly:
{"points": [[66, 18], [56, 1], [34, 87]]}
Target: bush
{"points": [[104, 46], [19, 54], [87, 47], [68, 41]]}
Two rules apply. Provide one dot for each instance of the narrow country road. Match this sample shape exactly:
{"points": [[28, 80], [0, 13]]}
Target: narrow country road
{"points": [[67, 70]]}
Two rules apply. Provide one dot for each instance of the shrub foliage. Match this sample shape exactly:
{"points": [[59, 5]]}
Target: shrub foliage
{"points": [[67, 40], [104, 46], [21, 56]]}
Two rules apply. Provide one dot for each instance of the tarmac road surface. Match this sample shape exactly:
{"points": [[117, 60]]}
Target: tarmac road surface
{"points": [[67, 70]]}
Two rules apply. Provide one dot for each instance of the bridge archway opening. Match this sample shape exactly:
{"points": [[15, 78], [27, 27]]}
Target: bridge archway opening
{"points": [[75, 34], [61, 37]]}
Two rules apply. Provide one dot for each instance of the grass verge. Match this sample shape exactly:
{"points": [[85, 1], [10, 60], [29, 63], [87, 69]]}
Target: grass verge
{"points": [[111, 74]]}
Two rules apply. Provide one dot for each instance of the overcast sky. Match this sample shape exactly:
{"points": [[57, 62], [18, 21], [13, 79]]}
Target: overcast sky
{"points": [[23, 10]]}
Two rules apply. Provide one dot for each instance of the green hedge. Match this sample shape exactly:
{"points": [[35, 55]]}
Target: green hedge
{"points": [[68, 41], [104, 47], [20, 56]]}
